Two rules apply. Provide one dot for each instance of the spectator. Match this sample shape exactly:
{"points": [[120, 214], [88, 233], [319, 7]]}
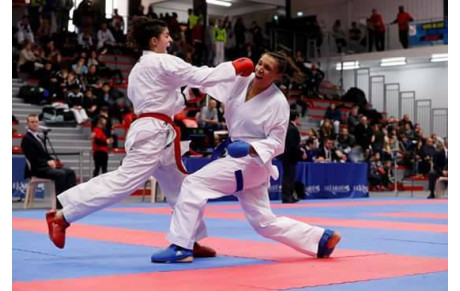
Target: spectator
{"points": [[376, 172], [90, 103], [427, 153], [93, 79], [354, 33], [292, 154], [80, 68], [117, 20], [440, 167], [29, 61], [376, 21], [403, 18], [42, 165], [208, 117], [85, 40], [74, 99], [335, 115], [240, 38], [220, 37], [105, 39], [408, 131], [364, 135], [150, 13], [100, 147], [209, 42], [63, 10], [109, 132], [406, 119], [326, 130], [44, 31], [25, 31], [114, 99], [52, 54], [379, 138], [345, 141], [314, 78], [353, 119], [339, 35], [197, 41], [257, 39], [311, 149], [328, 153]]}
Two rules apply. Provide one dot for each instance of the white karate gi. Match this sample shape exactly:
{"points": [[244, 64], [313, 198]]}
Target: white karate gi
{"points": [[262, 121], [153, 88]]}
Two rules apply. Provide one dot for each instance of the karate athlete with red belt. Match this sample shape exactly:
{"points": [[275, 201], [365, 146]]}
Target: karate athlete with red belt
{"points": [[257, 115], [154, 90]]}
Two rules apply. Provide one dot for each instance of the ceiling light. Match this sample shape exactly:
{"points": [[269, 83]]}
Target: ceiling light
{"points": [[219, 2], [300, 14], [436, 58], [393, 62], [347, 65]]}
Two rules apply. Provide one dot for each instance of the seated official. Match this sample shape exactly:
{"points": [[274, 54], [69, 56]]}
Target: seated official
{"points": [[42, 165]]}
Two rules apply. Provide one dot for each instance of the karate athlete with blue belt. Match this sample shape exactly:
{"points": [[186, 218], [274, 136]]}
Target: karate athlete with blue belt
{"points": [[154, 90], [257, 115]]}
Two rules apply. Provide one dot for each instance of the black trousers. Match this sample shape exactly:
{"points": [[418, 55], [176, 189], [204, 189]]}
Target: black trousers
{"points": [[287, 190], [63, 178], [404, 38], [100, 162], [432, 177], [380, 41]]}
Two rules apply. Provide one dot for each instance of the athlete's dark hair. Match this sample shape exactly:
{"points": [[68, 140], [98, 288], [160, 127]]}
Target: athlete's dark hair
{"points": [[142, 30], [286, 66]]}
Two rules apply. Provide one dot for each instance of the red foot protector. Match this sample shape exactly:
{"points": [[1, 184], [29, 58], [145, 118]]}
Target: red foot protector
{"points": [[322, 221], [270, 276]]}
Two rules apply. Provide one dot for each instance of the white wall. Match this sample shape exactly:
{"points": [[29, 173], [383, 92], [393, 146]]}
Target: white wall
{"points": [[428, 81]]}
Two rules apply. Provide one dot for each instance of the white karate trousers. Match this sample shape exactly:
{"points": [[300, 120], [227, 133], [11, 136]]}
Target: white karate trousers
{"points": [[218, 179], [146, 156]]}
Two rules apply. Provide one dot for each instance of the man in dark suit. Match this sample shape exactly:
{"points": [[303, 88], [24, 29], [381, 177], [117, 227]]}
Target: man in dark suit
{"points": [[42, 165], [328, 153], [439, 167], [289, 158]]}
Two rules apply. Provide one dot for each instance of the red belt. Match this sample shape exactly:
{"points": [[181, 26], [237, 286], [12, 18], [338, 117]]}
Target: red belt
{"points": [[167, 119]]}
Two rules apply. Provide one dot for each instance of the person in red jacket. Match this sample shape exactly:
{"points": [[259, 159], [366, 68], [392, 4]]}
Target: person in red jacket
{"points": [[376, 21], [100, 147], [403, 18]]}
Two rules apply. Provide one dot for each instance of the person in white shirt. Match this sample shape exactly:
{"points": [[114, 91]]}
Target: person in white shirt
{"points": [[152, 142], [105, 38], [25, 31], [257, 115]]}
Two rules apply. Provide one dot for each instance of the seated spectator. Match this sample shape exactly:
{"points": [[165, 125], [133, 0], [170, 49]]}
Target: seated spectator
{"points": [[311, 149], [52, 54], [42, 165], [328, 153], [90, 103], [335, 115], [71, 80], [325, 130], [314, 78], [25, 31], [93, 80], [44, 31], [404, 120], [353, 119], [379, 138], [85, 39], [100, 147], [105, 39], [408, 132], [208, 117], [339, 35], [345, 141], [29, 61], [80, 68], [93, 59], [426, 157], [114, 99], [74, 98]]}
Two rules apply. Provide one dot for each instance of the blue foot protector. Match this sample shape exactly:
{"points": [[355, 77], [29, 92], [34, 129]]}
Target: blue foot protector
{"points": [[323, 250], [173, 254]]}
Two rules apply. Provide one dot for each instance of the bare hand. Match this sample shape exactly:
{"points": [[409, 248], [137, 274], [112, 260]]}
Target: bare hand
{"points": [[52, 164]]}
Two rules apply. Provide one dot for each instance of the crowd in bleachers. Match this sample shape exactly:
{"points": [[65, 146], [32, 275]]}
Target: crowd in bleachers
{"points": [[68, 67]]}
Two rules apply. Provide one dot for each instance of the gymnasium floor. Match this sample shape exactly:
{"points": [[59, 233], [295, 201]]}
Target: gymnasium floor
{"points": [[387, 244]]}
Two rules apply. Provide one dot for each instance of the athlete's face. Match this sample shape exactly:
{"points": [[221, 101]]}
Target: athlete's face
{"points": [[267, 70], [162, 42]]}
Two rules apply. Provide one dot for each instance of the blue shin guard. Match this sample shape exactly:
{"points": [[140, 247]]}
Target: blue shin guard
{"points": [[173, 254]]}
